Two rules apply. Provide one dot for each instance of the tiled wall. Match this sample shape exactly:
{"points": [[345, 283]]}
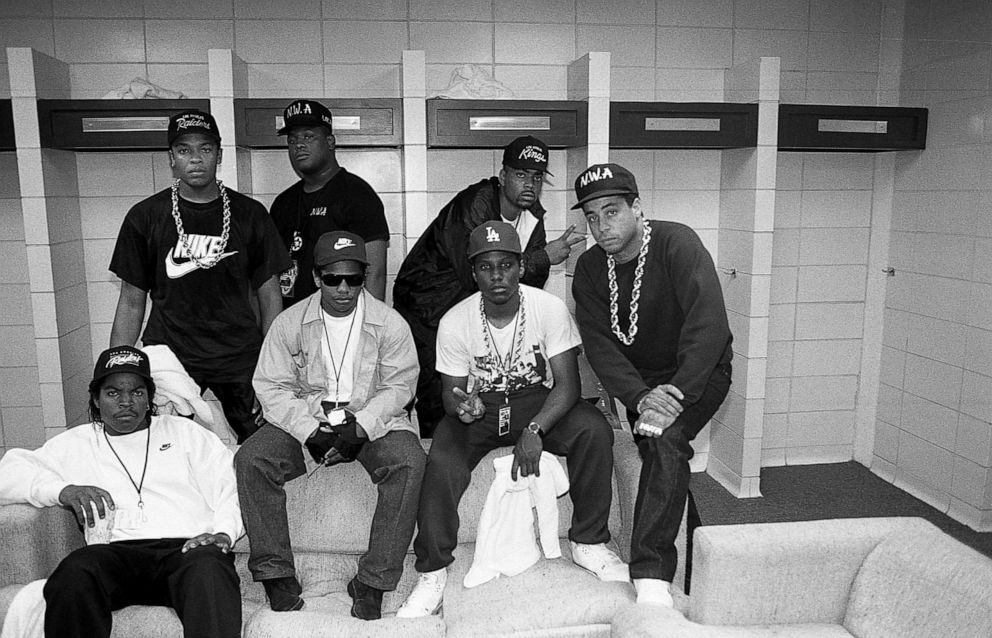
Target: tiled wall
{"points": [[819, 269], [933, 434]]}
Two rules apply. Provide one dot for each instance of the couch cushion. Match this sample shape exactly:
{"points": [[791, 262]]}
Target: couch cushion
{"points": [[649, 621], [921, 583]]}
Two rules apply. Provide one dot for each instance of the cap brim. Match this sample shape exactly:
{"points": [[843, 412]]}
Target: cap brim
{"points": [[598, 194]]}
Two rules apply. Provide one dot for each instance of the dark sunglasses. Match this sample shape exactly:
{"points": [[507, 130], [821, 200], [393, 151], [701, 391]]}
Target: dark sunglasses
{"points": [[334, 281]]}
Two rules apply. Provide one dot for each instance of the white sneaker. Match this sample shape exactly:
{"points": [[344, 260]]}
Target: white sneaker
{"points": [[653, 591], [600, 561], [427, 595]]}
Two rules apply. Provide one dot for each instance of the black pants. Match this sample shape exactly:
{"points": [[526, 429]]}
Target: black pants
{"points": [[582, 436], [93, 581], [237, 398], [430, 408], [664, 483]]}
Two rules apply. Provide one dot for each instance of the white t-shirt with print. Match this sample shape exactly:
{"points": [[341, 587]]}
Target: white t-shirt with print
{"points": [[462, 347]]}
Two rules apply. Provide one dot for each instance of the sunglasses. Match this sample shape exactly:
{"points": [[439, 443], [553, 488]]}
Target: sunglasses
{"points": [[334, 281]]}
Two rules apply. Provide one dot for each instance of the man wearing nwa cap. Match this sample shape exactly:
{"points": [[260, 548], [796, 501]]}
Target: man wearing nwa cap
{"points": [[327, 198], [436, 274], [508, 359], [651, 313], [203, 253], [155, 496], [334, 375]]}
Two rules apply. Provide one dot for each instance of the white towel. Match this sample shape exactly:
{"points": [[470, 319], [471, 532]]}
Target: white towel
{"points": [[505, 544], [26, 614], [175, 390]]}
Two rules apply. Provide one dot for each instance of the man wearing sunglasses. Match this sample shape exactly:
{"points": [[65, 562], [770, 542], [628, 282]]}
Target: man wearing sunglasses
{"points": [[333, 377]]}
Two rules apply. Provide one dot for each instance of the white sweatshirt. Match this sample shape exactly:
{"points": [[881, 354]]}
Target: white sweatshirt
{"points": [[189, 486]]}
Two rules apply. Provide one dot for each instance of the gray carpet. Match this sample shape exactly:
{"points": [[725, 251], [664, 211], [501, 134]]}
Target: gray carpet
{"points": [[810, 492]]}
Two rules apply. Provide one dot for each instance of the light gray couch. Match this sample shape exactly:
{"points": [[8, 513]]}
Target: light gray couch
{"points": [[330, 514], [871, 577]]}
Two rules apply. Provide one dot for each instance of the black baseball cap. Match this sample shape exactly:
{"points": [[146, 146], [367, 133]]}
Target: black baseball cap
{"points": [[603, 180], [305, 113], [339, 245], [526, 152], [493, 235], [122, 359], [193, 121]]}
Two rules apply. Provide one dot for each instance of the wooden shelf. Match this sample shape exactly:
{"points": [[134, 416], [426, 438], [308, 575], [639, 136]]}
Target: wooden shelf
{"points": [[818, 127], [494, 123], [6, 127], [96, 125], [700, 125], [357, 122]]}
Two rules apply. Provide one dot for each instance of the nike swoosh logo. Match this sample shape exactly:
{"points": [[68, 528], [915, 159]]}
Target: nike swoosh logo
{"points": [[175, 271], [165, 446]]}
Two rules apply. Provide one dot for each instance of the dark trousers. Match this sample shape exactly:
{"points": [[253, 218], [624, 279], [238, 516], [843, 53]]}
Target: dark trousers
{"points": [[664, 483], [91, 582], [582, 436], [271, 457], [237, 399], [430, 408]]}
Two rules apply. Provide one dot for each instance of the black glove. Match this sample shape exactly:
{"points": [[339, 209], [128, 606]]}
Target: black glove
{"points": [[321, 442], [343, 438]]}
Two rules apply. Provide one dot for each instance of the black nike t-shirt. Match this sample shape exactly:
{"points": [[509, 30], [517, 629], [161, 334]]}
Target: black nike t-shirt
{"points": [[204, 315], [346, 202]]}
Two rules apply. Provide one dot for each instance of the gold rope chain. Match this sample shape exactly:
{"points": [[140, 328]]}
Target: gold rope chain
{"points": [[635, 295], [225, 234]]}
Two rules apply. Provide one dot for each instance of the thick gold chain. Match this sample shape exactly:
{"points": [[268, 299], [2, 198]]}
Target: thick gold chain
{"points": [[635, 295], [225, 234]]}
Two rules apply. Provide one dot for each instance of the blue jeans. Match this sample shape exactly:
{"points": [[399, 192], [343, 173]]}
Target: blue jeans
{"points": [[272, 456]]}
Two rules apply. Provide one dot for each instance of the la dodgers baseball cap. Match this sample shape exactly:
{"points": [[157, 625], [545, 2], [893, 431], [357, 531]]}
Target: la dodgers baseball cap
{"points": [[603, 180], [493, 235], [305, 113], [526, 152], [193, 121], [339, 245], [122, 359]]}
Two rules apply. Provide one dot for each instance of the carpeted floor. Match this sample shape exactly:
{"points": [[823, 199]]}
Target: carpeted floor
{"points": [[810, 492]]}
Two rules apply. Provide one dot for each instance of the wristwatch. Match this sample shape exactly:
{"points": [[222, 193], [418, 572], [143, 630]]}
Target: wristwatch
{"points": [[534, 428]]}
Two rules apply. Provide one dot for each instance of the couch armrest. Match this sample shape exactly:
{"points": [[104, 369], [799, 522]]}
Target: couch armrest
{"points": [[782, 573], [34, 541]]}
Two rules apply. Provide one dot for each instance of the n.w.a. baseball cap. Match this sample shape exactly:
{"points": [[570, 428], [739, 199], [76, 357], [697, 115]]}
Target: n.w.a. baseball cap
{"points": [[338, 245], [526, 152], [305, 113], [602, 180], [122, 359], [491, 236], [193, 122]]}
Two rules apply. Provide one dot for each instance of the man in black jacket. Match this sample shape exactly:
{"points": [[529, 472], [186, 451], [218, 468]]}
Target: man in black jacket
{"points": [[436, 273], [653, 323]]}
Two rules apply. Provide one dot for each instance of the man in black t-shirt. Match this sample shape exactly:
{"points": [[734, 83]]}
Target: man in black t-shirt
{"points": [[327, 198], [202, 252]]}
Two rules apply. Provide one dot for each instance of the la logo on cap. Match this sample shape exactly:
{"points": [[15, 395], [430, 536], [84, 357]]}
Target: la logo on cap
{"points": [[342, 243], [491, 235], [601, 172]]}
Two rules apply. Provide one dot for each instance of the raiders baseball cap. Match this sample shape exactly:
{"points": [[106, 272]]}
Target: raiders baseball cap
{"points": [[305, 113], [527, 152], [193, 122], [122, 359], [338, 246], [492, 236], [602, 180]]}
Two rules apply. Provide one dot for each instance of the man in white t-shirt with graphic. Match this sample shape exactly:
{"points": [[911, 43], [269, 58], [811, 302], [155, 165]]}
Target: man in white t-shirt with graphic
{"points": [[507, 356]]}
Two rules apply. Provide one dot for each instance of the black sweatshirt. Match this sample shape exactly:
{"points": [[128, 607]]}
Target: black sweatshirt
{"points": [[683, 334]]}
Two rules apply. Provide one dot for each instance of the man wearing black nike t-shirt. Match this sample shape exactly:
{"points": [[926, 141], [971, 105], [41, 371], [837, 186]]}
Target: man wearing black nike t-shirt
{"points": [[202, 252]]}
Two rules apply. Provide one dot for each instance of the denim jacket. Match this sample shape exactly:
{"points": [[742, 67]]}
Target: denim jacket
{"points": [[291, 378]]}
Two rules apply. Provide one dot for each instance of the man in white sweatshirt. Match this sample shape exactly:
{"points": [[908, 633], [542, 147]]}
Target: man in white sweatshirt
{"points": [[163, 485]]}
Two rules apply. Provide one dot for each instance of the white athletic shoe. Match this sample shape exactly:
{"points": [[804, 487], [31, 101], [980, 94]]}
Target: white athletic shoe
{"points": [[653, 591], [426, 597], [600, 561]]}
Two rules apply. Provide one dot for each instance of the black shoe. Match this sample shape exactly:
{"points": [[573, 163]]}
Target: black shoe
{"points": [[368, 600], [284, 593]]}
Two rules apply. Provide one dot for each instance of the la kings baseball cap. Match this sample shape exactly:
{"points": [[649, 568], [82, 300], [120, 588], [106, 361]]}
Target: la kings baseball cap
{"points": [[527, 152], [122, 359], [603, 180], [493, 235], [305, 113], [193, 121], [339, 245]]}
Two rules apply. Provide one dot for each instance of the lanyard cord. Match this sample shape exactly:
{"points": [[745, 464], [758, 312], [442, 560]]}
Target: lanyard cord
{"points": [[344, 353], [141, 484]]}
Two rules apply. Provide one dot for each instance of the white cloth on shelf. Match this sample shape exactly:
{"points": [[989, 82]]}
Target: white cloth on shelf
{"points": [[175, 390], [26, 614], [505, 544]]}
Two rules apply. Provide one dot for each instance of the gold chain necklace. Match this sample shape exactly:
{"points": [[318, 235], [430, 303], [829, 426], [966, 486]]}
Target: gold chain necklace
{"points": [[635, 295], [225, 234]]}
